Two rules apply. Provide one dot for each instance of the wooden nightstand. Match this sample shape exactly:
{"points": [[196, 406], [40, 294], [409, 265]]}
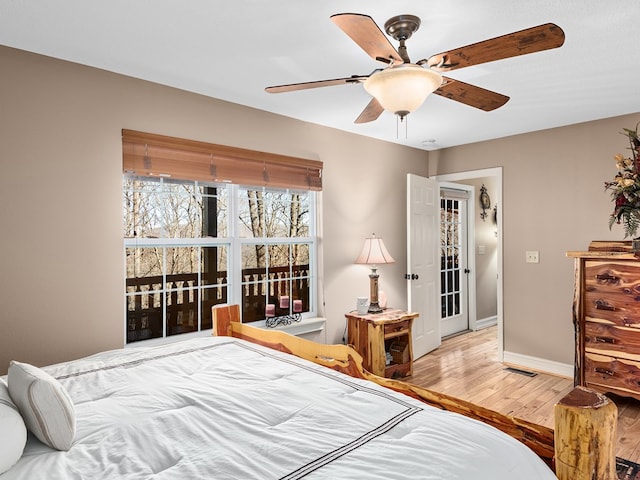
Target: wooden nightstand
{"points": [[375, 334]]}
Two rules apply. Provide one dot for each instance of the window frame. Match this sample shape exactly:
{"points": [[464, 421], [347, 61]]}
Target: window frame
{"points": [[234, 243]]}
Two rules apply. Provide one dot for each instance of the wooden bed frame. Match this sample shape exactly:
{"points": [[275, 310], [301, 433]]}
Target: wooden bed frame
{"points": [[583, 446]]}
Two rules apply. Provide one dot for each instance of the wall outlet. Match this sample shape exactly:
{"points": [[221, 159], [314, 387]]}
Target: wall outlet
{"points": [[532, 256]]}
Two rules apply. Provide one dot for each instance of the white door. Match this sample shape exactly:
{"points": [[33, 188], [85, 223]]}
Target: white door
{"points": [[423, 262], [454, 268]]}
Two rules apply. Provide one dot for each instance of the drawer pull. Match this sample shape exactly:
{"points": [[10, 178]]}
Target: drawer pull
{"points": [[607, 277], [604, 371], [602, 305], [605, 340]]}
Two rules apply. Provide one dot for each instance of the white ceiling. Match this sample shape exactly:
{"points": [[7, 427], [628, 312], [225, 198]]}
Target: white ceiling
{"points": [[231, 50]]}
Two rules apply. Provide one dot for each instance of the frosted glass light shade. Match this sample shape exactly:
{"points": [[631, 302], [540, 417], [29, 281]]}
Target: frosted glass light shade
{"points": [[401, 89]]}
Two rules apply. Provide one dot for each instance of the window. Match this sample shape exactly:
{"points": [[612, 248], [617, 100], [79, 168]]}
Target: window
{"points": [[185, 252], [196, 235]]}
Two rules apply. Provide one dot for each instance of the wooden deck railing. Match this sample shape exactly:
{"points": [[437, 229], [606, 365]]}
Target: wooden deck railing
{"points": [[145, 302]]}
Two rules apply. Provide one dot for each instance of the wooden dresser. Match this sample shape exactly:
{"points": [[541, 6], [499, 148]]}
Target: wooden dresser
{"points": [[606, 315]]}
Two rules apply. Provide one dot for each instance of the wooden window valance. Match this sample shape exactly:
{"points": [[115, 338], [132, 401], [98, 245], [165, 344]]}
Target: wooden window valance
{"points": [[147, 154]]}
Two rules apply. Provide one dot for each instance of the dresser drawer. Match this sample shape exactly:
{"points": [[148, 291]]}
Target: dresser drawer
{"points": [[612, 340], [611, 373], [612, 292]]}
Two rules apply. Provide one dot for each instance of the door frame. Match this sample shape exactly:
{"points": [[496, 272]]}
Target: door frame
{"points": [[497, 173]]}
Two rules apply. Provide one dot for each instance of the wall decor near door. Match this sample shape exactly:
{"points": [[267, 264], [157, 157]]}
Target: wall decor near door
{"points": [[485, 202]]}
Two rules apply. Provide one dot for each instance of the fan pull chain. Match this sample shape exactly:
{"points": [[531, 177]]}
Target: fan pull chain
{"points": [[400, 120]]}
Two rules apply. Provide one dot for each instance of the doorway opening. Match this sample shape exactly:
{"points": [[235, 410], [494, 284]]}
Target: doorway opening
{"points": [[483, 249]]}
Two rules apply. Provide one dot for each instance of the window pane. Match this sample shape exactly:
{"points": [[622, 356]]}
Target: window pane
{"points": [[214, 265], [251, 214], [144, 285], [300, 259], [215, 211], [214, 274], [182, 260], [210, 297], [181, 209], [273, 214], [144, 262], [279, 257], [254, 274], [182, 311], [144, 316], [173, 209], [142, 216], [254, 295], [301, 274], [253, 260], [300, 215]]}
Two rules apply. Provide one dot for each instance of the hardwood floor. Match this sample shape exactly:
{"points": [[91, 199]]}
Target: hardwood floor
{"points": [[466, 367]]}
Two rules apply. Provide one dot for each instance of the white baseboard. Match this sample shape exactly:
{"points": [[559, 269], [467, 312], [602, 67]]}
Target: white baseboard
{"points": [[538, 364], [486, 322]]}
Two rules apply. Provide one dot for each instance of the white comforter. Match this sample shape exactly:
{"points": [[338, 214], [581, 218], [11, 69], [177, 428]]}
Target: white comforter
{"points": [[221, 408]]}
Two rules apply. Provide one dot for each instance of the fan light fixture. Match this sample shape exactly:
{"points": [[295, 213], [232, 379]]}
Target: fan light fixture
{"points": [[374, 253], [401, 89]]}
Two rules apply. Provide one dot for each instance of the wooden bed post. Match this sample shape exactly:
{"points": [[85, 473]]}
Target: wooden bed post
{"points": [[222, 316], [585, 427]]}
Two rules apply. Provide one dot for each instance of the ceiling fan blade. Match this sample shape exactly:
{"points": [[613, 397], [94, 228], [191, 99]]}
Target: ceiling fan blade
{"points": [[319, 83], [371, 112], [471, 95], [530, 40], [366, 33]]}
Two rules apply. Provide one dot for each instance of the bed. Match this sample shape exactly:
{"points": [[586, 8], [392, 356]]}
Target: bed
{"points": [[226, 407]]}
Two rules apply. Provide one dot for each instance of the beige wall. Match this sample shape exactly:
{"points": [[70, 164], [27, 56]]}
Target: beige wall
{"points": [[62, 251], [553, 201], [486, 264]]}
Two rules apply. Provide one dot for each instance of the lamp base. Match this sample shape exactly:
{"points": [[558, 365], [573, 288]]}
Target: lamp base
{"points": [[374, 307]]}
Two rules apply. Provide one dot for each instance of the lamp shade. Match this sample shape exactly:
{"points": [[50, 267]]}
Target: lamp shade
{"points": [[401, 89], [374, 252]]}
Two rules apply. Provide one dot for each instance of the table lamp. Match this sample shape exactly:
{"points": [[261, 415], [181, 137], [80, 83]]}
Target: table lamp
{"points": [[374, 253]]}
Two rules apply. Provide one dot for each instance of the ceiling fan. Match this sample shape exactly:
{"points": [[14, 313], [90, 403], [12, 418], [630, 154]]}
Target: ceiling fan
{"points": [[402, 86]]}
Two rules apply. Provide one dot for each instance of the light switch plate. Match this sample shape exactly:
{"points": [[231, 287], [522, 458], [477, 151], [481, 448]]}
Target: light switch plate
{"points": [[532, 256]]}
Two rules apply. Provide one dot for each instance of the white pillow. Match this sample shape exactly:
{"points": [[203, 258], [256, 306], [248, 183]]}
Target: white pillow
{"points": [[13, 436], [45, 405]]}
